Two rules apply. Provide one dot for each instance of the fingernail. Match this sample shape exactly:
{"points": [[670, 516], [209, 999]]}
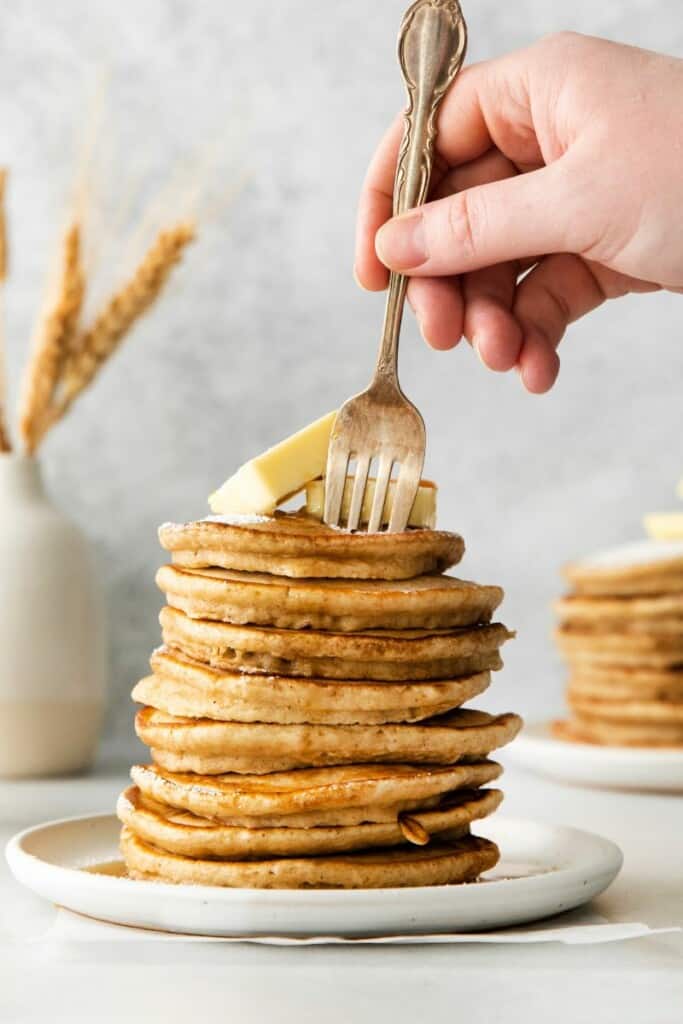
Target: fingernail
{"points": [[400, 243], [358, 280], [476, 341], [423, 332]]}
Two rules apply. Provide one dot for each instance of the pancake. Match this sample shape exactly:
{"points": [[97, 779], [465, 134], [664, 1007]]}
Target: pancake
{"points": [[310, 797], [211, 747], [583, 647], [645, 567], [387, 654], [436, 864], [192, 836], [656, 613], [191, 690], [641, 712], [295, 545], [619, 683], [591, 729], [427, 602]]}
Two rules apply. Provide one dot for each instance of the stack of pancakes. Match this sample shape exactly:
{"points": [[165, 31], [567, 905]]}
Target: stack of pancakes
{"points": [[304, 713], [621, 633]]}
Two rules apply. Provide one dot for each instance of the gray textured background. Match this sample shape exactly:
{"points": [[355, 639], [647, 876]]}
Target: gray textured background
{"points": [[265, 329]]}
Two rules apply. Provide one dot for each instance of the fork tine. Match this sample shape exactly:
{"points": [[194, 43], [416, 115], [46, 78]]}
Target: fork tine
{"points": [[405, 493], [359, 484], [381, 488], [335, 481]]}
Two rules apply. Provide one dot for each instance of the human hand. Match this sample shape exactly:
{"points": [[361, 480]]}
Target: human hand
{"points": [[557, 184]]}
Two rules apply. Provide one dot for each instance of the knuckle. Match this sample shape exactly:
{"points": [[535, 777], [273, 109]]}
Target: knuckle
{"points": [[563, 41], [558, 310], [466, 217]]}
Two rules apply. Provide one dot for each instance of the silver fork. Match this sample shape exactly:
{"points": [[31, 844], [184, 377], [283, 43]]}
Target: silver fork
{"points": [[381, 423]]}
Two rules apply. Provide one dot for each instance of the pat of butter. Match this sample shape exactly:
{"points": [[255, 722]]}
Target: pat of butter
{"points": [[259, 486], [423, 512], [666, 526]]}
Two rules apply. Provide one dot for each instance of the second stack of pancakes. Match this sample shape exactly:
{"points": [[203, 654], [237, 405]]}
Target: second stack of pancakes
{"points": [[621, 633], [304, 713]]}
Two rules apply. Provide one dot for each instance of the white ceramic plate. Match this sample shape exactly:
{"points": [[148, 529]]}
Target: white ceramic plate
{"points": [[588, 764], [544, 870]]}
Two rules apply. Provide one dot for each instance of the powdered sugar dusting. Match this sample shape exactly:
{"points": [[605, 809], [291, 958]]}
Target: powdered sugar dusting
{"points": [[641, 552], [237, 519]]}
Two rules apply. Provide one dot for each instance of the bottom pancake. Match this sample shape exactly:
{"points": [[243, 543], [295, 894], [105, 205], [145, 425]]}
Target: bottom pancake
{"points": [[435, 864], [188, 834]]}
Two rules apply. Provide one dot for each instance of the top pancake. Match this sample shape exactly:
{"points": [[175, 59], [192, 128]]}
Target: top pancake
{"points": [[645, 567], [296, 545]]}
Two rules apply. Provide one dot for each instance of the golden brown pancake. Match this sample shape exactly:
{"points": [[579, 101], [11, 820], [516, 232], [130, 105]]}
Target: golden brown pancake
{"points": [[646, 567], [211, 747], [583, 647], [427, 602], [608, 682], [643, 712], [192, 690], [655, 613], [296, 545], [311, 797], [592, 729], [380, 654], [434, 864], [192, 836]]}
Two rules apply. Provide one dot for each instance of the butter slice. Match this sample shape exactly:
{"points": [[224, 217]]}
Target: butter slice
{"points": [[259, 486], [665, 526], [423, 512]]}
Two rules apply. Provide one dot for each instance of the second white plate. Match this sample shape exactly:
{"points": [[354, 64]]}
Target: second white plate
{"points": [[543, 871], [588, 764]]}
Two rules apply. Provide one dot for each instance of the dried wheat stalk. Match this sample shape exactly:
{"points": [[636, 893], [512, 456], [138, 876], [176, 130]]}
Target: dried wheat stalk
{"points": [[4, 257], [56, 336], [96, 344], [5, 444]]}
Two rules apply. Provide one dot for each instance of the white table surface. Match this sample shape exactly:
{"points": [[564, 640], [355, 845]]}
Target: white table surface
{"points": [[640, 980]]}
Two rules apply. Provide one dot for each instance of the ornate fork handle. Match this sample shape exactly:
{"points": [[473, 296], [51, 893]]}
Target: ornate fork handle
{"points": [[431, 49]]}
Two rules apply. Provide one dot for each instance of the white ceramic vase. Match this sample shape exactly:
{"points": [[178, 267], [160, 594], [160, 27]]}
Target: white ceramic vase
{"points": [[52, 634]]}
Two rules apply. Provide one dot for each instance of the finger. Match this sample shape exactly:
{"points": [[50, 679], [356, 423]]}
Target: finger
{"points": [[488, 293], [489, 323], [374, 208], [539, 364], [492, 166], [489, 105], [558, 291], [438, 306], [486, 104], [489, 224]]}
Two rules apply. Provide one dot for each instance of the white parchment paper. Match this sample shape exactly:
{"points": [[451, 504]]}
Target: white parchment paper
{"points": [[579, 927]]}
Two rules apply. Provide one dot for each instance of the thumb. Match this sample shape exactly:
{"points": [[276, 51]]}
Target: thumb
{"points": [[527, 215]]}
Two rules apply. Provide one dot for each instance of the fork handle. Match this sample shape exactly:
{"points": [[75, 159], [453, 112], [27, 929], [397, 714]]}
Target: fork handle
{"points": [[431, 49]]}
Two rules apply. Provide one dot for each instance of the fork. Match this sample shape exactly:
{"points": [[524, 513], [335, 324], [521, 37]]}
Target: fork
{"points": [[381, 423]]}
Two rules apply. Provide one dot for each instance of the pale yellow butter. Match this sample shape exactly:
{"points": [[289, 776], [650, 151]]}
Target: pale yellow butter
{"points": [[423, 512], [665, 526], [261, 484]]}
